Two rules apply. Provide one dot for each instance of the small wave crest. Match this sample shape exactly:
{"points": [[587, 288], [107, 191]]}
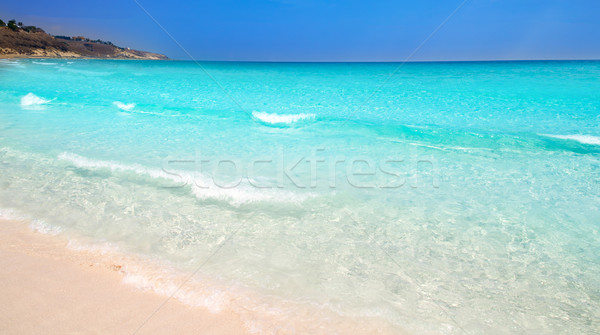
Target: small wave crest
{"points": [[201, 186], [44, 63], [583, 139], [10, 62], [84, 162], [124, 106], [282, 119], [31, 99]]}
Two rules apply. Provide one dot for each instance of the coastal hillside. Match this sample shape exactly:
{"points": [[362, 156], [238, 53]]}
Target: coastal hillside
{"points": [[19, 41]]}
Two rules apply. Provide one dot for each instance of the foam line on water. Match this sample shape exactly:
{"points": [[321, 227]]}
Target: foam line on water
{"points": [[11, 63], [260, 313], [282, 119], [583, 139], [124, 106], [128, 108], [44, 63], [10, 214], [202, 187], [34, 224]]}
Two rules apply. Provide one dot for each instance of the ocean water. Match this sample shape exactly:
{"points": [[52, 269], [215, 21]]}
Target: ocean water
{"points": [[310, 198]]}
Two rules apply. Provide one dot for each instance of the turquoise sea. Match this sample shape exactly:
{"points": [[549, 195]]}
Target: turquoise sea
{"points": [[450, 198]]}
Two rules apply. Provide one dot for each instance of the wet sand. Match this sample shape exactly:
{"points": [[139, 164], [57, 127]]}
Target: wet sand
{"points": [[47, 288]]}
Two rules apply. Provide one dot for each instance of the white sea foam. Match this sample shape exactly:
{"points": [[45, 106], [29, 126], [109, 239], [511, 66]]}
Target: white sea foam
{"points": [[164, 284], [584, 139], [10, 214], [201, 186], [79, 71], [34, 224], [261, 314], [10, 62], [44, 63], [33, 100], [100, 248], [123, 106], [44, 227], [151, 275], [85, 162], [282, 119]]}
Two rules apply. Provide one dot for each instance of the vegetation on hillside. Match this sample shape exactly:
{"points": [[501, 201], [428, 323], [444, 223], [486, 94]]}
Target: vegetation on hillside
{"points": [[20, 40], [15, 26]]}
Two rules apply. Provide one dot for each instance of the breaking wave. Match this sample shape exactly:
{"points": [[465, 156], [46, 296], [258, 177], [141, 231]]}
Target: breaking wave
{"points": [[33, 100], [584, 139], [202, 186], [123, 106], [282, 119]]}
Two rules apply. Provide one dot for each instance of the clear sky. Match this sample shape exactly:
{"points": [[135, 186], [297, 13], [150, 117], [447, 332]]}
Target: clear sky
{"points": [[329, 30]]}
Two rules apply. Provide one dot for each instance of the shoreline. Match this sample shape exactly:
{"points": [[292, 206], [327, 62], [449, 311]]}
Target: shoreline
{"points": [[66, 282], [54, 290]]}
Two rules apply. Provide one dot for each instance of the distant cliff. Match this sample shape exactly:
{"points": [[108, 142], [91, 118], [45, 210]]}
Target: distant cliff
{"points": [[18, 41]]}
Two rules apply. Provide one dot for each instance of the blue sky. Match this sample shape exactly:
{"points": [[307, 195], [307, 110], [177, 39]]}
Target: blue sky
{"points": [[333, 30]]}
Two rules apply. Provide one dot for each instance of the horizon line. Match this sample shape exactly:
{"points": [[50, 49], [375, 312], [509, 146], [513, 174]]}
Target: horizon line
{"points": [[383, 62], [322, 62]]}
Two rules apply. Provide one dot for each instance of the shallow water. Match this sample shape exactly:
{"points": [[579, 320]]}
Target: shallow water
{"points": [[460, 197]]}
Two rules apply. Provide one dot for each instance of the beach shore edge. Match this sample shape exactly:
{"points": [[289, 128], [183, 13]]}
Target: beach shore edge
{"points": [[55, 290]]}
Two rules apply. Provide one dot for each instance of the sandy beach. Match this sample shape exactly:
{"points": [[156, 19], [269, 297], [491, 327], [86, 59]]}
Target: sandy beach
{"points": [[50, 289]]}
